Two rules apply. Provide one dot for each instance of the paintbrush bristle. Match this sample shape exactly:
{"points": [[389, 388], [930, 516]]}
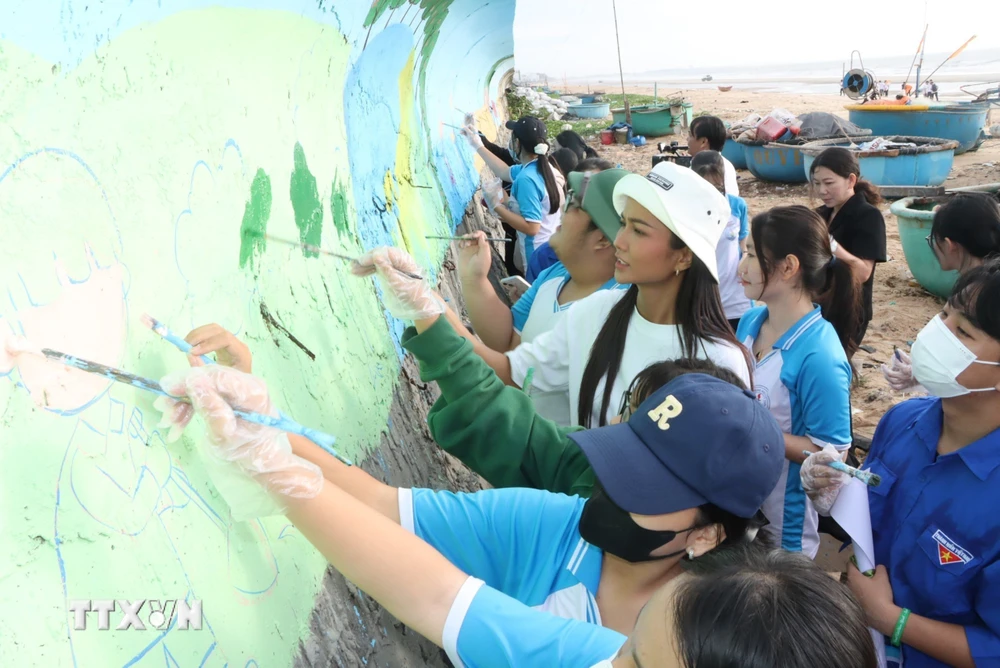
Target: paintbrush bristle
{"points": [[153, 324]]}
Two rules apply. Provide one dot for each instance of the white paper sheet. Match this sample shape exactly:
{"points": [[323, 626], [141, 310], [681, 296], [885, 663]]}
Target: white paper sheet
{"points": [[852, 514]]}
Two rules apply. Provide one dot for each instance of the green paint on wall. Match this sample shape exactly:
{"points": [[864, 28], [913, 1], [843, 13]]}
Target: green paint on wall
{"points": [[255, 217], [305, 202], [338, 207]]}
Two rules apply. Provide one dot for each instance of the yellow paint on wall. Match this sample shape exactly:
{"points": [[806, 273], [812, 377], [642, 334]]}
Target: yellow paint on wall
{"points": [[414, 221]]}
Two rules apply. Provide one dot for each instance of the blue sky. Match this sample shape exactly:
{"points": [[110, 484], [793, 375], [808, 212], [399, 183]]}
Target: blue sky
{"points": [[576, 37]]}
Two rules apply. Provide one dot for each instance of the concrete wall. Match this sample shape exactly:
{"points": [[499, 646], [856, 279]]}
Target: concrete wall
{"points": [[145, 149]]}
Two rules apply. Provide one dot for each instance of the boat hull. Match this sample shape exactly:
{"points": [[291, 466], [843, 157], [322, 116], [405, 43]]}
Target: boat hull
{"points": [[776, 162], [963, 123], [927, 164], [592, 110], [914, 217], [735, 153], [648, 121]]}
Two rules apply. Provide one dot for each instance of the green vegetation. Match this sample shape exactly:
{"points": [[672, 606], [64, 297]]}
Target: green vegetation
{"points": [[617, 102], [579, 126], [517, 106]]}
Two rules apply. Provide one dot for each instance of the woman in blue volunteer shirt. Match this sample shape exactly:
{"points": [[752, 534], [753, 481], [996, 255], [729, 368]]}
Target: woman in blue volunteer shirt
{"points": [[800, 342], [597, 561], [936, 591], [536, 188]]}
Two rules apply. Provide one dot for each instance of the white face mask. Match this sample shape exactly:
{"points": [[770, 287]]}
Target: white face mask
{"points": [[939, 358]]}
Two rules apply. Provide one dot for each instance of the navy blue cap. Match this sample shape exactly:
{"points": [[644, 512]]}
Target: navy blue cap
{"points": [[696, 440]]}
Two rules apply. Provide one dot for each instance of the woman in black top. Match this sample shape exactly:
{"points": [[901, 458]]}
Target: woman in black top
{"points": [[855, 223]]}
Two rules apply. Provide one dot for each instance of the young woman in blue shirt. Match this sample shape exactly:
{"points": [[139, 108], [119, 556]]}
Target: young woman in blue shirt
{"points": [[800, 342], [935, 593]]}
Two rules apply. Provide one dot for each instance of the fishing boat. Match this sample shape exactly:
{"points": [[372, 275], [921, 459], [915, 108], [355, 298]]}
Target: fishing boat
{"points": [[926, 163], [725, 89], [914, 217], [961, 121]]}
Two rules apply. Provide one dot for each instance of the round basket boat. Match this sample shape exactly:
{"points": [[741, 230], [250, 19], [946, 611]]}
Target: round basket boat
{"points": [[928, 163]]}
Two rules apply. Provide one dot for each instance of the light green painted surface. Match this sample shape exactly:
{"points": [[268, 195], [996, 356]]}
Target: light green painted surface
{"points": [[178, 134]]}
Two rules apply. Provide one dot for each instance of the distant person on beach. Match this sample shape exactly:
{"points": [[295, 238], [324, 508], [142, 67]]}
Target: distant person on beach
{"points": [[708, 133], [853, 219], [709, 166], [934, 91], [907, 89]]}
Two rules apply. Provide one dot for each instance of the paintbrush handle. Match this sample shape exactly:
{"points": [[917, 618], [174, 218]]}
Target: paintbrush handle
{"points": [[867, 477], [284, 423], [502, 240], [317, 249]]}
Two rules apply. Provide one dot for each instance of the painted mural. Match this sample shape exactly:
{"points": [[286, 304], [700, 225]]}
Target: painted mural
{"points": [[147, 149]]}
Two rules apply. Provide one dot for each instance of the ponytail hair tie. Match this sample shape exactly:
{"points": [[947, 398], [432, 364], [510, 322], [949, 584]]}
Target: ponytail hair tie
{"points": [[541, 149]]}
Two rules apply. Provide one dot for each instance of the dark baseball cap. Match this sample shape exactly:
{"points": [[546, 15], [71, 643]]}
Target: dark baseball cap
{"points": [[529, 131], [696, 440], [598, 191]]}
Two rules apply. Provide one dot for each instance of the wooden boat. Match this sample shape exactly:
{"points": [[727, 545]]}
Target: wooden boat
{"points": [[725, 89]]}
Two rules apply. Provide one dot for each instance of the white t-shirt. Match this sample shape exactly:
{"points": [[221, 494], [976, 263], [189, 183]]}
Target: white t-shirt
{"points": [[535, 313], [732, 187], [560, 356], [727, 257]]}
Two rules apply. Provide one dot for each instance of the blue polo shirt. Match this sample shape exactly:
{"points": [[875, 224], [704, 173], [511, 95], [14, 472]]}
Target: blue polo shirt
{"points": [[936, 525], [536, 574], [805, 382]]}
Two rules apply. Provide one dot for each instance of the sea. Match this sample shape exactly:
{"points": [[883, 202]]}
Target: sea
{"points": [[971, 69]]}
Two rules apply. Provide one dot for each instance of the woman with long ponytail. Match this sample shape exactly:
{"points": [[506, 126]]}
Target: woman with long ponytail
{"points": [[800, 342], [854, 222], [538, 191]]}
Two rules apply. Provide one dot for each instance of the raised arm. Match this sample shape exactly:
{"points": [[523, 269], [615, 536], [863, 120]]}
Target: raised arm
{"points": [[491, 318]]}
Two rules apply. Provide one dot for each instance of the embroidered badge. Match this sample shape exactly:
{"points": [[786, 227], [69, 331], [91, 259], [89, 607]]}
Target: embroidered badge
{"points": [[950, 552], [662, 414]]}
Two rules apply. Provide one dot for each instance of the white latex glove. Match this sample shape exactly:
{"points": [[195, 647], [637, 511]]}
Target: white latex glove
{"points": [[474, 258], [406, 298], [472, 135], [493, 193], [821, 483], [263, 453], [899, 374]]}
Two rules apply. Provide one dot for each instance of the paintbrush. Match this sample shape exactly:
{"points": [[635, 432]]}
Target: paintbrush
{"points": [[283, 423], [317, 249], [503, 240], [168, 335], [867, 477], [455, 127]]}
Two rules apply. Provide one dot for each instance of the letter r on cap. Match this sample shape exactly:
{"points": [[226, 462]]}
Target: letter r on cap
{"points": [[662, 414]]}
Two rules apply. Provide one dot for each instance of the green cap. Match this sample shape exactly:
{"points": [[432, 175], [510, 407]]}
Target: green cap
{"points": [[598, 198]]}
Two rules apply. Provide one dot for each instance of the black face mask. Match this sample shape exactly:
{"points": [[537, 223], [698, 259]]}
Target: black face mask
{"points": [[605, 525]]}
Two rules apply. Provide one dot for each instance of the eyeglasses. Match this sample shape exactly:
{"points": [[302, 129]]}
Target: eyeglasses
{"points": [[625, 410], [930, 244], [575, 199]]}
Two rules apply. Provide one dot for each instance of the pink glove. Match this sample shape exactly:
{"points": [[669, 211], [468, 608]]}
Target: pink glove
{"points": [[263, 453], [406, 298], [821, 483]]}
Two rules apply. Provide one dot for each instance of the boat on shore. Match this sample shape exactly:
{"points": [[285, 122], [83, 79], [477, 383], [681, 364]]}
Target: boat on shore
{"points": [[962, 122], [725, 89]]}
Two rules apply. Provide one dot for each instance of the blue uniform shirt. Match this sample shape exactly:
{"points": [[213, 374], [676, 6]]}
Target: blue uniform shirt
{"points": [[805, 382], [936, 525]]}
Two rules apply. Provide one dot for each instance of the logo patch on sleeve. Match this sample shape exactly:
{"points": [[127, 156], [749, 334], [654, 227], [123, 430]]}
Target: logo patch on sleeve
{"points": [[950, 552]]}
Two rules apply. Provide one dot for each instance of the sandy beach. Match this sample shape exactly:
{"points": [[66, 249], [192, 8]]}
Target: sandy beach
{"points": [[901, 306]]}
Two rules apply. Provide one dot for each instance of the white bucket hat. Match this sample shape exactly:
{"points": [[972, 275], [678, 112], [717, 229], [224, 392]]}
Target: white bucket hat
{"points": [[687, 204]]}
